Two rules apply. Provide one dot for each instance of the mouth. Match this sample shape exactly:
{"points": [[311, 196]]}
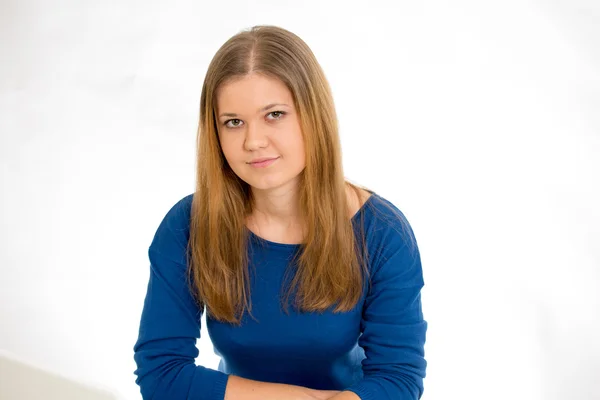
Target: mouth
{"points": [[264, 163]]}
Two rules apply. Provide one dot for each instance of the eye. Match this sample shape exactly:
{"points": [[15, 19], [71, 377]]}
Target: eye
{"points": [[279, 114], [229, 120]]}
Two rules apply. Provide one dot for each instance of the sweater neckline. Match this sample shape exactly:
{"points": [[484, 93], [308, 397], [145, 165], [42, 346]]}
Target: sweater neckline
{"points": [[294, 246]]}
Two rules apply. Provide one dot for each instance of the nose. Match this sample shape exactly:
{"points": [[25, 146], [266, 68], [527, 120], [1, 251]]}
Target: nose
{"points": [[255, 138]]}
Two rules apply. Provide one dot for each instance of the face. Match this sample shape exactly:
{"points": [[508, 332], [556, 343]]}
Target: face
{"points": [[256, 119]]}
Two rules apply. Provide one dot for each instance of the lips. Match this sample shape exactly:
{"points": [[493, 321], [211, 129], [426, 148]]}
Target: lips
{"points": [[260, 160], [264, 164]]}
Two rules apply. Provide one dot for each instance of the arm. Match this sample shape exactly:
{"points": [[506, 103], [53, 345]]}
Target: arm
{"points": [[247, 389], [165, 350], [345, 395], [393, 328]]}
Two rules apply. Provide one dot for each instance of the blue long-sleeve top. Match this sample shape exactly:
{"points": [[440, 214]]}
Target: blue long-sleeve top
{"points": [[375, 350]]}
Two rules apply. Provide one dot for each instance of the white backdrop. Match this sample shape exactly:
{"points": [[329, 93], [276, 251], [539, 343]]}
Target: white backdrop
{"points": [[479, 120]]}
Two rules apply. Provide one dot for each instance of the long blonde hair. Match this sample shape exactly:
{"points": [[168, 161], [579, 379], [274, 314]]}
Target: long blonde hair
{"points": [[331, 267]]}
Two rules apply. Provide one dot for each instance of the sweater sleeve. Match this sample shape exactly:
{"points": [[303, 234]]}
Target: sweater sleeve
{"points": [[165, 350], [393, 329]]}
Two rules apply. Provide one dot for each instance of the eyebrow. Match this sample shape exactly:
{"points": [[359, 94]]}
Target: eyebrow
{"points": [[265, 108]]}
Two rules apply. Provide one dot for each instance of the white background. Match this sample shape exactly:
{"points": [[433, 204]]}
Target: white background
{"points": [[479, 120]]}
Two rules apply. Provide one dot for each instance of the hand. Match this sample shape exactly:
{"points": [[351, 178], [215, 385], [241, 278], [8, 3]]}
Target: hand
{"points": [[323, 394]]}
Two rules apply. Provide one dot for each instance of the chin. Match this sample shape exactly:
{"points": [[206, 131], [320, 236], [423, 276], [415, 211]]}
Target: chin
{"points": [[271, 180], [265, 185], [268, 182]]}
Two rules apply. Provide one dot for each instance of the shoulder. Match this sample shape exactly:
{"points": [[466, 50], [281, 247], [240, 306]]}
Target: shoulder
{"points": [[172, 232], [178, 215], [388, 215], [356, 201], [389, 232], [378, 208]]}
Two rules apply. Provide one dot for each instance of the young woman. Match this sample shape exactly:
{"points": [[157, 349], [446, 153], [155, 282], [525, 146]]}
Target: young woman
{"points": [[311, 284]]}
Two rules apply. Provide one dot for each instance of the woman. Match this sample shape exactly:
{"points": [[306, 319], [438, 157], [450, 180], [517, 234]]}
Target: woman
{"points": [[272, 219]]}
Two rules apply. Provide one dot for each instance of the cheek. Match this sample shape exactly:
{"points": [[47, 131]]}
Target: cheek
{"points": [[227, 154], [299, 145], [292, 142], [227, 147]]}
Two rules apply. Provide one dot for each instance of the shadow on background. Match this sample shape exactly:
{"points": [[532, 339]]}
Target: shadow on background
{"points": [[22, 381]]}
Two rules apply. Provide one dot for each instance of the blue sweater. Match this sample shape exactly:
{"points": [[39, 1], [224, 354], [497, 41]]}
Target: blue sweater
{"points": [[375, 350]]}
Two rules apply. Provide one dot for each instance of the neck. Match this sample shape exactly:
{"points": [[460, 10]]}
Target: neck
{"points": [[276, 207]]}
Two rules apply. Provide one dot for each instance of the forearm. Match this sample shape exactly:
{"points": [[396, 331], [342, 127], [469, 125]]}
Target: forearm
{"points": [[239, 388], [346, 395]]}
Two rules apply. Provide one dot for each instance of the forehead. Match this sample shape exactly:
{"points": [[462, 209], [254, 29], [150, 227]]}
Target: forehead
{"points": [[252, 90]]}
